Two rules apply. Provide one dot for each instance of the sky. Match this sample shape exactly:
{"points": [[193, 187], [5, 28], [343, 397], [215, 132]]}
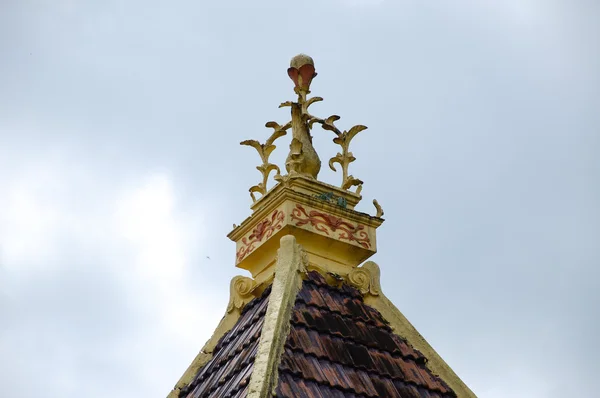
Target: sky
{"points": [[121, 174]]}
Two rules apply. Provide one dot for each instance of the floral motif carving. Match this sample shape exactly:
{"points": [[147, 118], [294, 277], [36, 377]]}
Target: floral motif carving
{"points": [[324, 222], [263, 229]]}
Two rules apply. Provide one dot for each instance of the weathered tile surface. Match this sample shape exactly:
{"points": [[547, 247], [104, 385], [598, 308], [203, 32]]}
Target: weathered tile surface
{"points": [[340, 347], [227, 374], [337, 347]]}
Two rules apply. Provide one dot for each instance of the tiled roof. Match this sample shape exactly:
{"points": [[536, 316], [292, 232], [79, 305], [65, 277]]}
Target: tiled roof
{"points": [[337, 346], [340, 347], [227, 374]]}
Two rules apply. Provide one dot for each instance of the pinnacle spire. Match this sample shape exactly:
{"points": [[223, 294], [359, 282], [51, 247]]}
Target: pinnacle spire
{"points": [[311, 320], [303, 159], [321, 216]]}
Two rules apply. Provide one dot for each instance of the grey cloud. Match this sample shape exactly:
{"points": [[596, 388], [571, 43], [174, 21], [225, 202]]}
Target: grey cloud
{"points": [[481, 147]]}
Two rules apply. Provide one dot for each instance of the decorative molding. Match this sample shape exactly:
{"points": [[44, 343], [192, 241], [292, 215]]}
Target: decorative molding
{"points": [[366, 278], [263, 229], [304, 191], [324, 222], [240, 292]]}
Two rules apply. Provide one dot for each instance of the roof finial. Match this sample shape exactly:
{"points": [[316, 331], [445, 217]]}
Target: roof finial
{"points": [[303, 159]]}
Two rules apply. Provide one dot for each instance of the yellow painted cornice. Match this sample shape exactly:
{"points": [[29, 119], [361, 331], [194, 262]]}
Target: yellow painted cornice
{"points": [[309, 187], [334, 235], [321, 216]]}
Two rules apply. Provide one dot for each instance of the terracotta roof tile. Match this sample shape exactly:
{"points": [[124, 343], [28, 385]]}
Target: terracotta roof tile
{"points": [[293, 387], [227, 374], [338, 346]]}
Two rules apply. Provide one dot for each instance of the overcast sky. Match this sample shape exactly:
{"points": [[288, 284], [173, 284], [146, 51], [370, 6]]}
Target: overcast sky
{"points": [[121, 173]]}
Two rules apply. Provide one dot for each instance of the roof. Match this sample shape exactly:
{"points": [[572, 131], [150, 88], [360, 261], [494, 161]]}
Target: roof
{"points": [[340, 347], [337, 346], [227, 374]]}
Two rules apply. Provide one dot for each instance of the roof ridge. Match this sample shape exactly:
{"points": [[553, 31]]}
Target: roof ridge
{"points": [[231, 345], [287, 283]]}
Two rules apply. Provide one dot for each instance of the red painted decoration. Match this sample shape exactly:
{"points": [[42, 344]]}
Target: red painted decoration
{"points": [[264, 229], [324, 222]]}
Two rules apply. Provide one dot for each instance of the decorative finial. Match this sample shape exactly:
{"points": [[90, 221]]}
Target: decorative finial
{"points": [[303, 159], [302, 71]]}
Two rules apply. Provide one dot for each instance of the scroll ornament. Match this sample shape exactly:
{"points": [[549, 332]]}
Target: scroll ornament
{"points": [[240, 290], [366, 278]]}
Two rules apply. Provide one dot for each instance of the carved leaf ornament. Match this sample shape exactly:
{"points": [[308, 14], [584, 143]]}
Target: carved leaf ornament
{"points": [[264, 151], [263, 230]]}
